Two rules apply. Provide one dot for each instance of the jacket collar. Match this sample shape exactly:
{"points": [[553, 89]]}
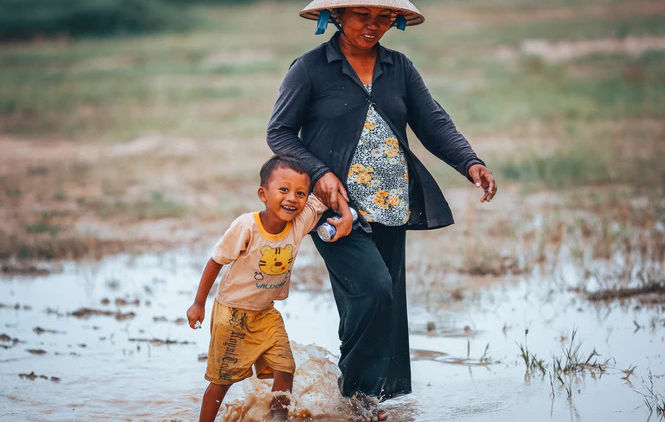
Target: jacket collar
{"points": [[333, 52]]}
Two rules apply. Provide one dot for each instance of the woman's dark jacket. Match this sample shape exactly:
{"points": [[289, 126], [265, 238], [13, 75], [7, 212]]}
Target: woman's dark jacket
{"points": [[322, 98]]}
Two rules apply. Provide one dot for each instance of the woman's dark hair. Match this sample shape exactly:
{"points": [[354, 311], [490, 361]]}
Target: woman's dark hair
{"points": [[280, 161], [337, 12]]}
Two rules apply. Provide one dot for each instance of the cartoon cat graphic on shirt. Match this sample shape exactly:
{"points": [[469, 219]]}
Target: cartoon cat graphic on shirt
{"points": [[274, 261]]}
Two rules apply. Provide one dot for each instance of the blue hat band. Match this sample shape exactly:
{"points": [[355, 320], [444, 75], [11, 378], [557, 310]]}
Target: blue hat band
{"points": [[325, 16]]}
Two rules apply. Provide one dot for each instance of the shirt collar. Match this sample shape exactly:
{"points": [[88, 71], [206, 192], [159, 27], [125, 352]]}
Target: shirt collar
{"points": [[333, 52]]}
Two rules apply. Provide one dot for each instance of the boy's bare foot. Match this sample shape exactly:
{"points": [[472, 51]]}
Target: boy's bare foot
{"points": [[279, 408], [367, 408], [278, 415]]}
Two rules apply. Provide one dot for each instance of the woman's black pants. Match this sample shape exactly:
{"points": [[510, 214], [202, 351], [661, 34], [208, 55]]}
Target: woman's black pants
{"points": [[368, 277]]}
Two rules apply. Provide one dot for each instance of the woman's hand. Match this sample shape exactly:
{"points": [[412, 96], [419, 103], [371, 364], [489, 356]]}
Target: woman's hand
{"points": [[344, 224], [482, 177], [195, 313], [328, 189]]}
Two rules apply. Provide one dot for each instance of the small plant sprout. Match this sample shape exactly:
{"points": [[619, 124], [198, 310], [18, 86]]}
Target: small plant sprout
{"points": [[485, 357], [566, 369], [628, 372], [530, 360], [653, 400], [468, 349]]}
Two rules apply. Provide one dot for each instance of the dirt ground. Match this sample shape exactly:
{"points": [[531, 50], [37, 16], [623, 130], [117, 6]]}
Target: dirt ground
{"points": [[73, 200], [66, 200]]}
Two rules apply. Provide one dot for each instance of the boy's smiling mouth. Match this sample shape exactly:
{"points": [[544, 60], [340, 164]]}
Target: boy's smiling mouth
{"points": [[289, 208]]}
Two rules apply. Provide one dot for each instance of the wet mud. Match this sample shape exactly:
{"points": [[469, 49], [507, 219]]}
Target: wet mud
{"points": [[468, 347]]}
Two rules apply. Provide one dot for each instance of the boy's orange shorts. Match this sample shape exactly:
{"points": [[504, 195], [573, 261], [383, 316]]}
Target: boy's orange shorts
{"points": [[240, 338]]}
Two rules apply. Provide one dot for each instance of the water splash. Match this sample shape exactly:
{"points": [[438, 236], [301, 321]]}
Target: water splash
{"points": [[315, 391]]}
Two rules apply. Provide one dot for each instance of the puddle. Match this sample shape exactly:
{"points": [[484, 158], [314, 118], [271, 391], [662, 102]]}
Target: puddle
{"points": [[466, 362]]}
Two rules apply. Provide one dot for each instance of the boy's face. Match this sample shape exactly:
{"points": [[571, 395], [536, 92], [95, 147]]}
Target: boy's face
{"points": [[285, 194]]}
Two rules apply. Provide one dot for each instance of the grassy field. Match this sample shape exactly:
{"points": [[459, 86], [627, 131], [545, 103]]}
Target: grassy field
{"points": [[154, 141]]}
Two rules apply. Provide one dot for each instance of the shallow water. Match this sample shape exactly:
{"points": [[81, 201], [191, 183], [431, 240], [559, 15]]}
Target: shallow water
{"points": [[146, 366]]}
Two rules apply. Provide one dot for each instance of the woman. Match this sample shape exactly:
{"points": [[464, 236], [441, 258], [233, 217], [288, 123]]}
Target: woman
{"points": [[350, 100]]}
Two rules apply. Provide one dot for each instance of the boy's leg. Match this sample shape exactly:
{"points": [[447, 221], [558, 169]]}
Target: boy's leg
{"points": [[283, 382], [276, 361], [212, 399]]}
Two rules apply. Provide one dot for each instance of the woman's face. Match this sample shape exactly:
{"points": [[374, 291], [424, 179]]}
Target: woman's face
{"points": [[364, 26]]}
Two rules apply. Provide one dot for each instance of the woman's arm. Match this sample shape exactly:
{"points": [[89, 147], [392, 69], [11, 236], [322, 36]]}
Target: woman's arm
{"points": [[434, 127], [287, 119]]}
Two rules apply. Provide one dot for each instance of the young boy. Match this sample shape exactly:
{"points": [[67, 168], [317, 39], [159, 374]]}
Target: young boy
{"points": [[259, 250]]}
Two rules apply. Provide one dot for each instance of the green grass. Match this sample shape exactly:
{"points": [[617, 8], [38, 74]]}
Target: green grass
{"points": [[25, 19], [220, 80], [155, 207], [41, 227], [561, 169]]}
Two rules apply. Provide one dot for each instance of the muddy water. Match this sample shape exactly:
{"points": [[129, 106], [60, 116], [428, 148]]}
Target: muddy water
{"points": [[136, 359]]}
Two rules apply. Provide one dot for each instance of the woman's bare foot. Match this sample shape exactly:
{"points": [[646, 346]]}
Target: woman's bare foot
{"points": [[367, 408]]}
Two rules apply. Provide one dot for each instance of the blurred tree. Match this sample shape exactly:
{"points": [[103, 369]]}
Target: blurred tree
{"points": [[25, 19]]}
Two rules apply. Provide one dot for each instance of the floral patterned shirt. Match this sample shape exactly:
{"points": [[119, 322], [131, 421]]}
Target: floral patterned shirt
{"points": [[378, 178]]}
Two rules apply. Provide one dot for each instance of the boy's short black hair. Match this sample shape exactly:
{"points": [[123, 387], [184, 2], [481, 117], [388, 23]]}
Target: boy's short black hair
{"points": [[279, 161]]}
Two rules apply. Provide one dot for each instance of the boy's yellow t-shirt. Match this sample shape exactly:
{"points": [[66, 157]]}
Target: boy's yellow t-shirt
{"points": [[259, 263]]}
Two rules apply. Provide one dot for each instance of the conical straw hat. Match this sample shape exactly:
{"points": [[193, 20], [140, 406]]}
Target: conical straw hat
{"points": [[412, 15]]}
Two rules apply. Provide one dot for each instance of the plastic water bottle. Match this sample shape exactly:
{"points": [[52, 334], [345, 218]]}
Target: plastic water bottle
{"points": [[327, 231]]}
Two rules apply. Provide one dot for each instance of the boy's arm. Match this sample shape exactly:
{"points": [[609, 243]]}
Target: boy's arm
{"points": [[196, 312]]}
